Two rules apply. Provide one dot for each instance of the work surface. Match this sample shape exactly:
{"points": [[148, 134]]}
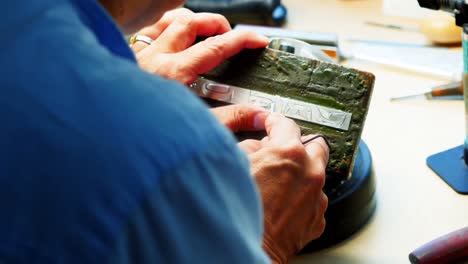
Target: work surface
{"points": [[414, 205]]}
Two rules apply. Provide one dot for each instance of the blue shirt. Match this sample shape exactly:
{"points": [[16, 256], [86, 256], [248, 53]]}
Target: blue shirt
{"points": [[101, 162]]}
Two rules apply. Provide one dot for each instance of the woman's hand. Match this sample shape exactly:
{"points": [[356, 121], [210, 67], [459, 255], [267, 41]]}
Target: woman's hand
{"points": [[289, 175], [173, 53]]}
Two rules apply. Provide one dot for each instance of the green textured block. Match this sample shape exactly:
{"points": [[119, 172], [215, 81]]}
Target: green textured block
{"points": [[319, 83]]}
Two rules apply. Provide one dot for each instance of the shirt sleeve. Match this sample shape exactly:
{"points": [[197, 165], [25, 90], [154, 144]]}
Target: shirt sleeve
{"points": [[201, 212], [102, 162]]}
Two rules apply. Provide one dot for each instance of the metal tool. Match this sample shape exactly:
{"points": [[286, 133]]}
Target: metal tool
{"points": [[326, 42], [392, 26], [289, 107], [298, 48], [450, 89]]}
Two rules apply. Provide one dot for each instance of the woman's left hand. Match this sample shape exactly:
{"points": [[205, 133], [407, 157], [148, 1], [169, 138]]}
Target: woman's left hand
{"points": [[173, 53]]}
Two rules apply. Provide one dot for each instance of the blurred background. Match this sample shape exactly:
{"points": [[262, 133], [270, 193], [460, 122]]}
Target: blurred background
{"points": [[412, 52]]}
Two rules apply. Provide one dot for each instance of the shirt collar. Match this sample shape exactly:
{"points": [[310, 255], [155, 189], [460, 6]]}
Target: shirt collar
{"points": [[104, 28]]}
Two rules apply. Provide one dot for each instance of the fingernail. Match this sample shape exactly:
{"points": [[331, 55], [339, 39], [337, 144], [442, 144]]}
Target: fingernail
{"points": [[259, 120], [264, 38]]}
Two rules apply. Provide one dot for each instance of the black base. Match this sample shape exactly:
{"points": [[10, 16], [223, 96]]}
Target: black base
{"points": [[451, 167], [351, 203]]}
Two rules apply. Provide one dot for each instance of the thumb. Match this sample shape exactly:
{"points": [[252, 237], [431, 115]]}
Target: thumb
{"points": [[281, 130], [206, 55], [241, 117]]}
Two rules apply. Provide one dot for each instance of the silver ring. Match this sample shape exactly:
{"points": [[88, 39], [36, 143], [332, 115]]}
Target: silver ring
{"points": [[141, 38]]}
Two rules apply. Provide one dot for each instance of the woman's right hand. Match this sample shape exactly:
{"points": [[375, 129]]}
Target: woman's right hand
{"points": [[290, 178]]}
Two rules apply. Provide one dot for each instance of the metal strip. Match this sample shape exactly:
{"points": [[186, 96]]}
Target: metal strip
{"points": [[289, 107]]}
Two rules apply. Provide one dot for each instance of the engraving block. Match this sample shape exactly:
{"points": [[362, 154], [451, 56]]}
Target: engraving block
{"points": [[326, 95]]}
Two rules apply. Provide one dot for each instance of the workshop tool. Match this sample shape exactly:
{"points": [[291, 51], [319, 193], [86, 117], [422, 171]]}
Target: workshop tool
{"points": [[392, 26], [449, 90], [448, 164], [449, 248], [327, 42], [324, 98], [298, 48]]}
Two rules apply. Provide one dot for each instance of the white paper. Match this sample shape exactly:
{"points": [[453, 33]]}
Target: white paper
{"points": [[441, 62]]}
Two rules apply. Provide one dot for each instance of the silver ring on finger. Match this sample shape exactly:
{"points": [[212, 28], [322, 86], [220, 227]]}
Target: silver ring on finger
{"points": [[135, 38]]}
